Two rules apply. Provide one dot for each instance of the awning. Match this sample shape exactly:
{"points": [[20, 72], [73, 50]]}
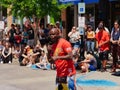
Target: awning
{"points": [[78, 1], [90, 1], [69, 1]]}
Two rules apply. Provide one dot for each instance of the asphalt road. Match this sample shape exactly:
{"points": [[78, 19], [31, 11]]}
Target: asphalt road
{"points": [[15, 77]]}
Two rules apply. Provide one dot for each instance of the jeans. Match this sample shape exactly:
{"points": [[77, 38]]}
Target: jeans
{"points": [[90, 45]]}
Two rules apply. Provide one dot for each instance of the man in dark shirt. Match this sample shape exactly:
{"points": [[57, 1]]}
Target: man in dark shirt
{"points": [[31, 36]]}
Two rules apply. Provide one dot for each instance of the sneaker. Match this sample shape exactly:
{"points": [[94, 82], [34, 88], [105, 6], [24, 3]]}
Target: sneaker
{"points": [[29, 65], [1, 62], [9, 62], [103, 70]]}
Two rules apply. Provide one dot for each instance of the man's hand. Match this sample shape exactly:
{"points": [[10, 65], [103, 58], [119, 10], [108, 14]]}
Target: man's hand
{"points": [[114, 42], [54, 58]]}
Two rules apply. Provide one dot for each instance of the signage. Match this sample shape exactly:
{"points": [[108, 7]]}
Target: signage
{"points": [[81, 8], [81, 21]]}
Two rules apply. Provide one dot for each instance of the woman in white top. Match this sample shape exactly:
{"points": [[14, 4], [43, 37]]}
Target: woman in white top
{"points": [[7, 54], [74, 39]]}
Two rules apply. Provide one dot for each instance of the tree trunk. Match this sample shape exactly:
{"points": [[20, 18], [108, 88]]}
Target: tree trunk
{"points": [[36, 28]]}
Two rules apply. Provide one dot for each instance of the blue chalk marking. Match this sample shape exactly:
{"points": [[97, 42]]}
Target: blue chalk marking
{"points": [[34, 67], [93, 82], [82, 81]]}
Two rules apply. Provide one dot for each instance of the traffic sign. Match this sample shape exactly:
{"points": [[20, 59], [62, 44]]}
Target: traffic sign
{"points": [[81, 8]]}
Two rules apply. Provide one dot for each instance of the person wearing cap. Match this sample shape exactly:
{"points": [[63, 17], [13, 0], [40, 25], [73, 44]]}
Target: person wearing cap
{"points": [[103, 39], [62, 56]]}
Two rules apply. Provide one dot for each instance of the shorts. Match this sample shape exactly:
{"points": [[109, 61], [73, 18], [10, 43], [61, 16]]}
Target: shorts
{"points": [[77, 45], [65, 83], [92, 68], [61, 83], [103, 55]]}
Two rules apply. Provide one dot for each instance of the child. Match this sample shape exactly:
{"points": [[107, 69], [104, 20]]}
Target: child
{"points": [[17, 52], [43, 62]]}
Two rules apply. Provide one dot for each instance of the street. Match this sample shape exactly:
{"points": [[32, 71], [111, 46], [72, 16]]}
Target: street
{"points": [[15, 77]]}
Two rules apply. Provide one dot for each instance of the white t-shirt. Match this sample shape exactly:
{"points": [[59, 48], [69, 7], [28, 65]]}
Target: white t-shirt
{"points": [[74, 36], [106, 29], [43, 59]]}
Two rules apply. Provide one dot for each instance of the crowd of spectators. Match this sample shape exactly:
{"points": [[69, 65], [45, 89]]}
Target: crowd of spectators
{"points": [[19, 44]]}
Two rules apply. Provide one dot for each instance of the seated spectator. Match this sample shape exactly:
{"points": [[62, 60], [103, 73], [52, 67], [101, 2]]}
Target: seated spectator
{"points": [[75, 59], [7, 54], [89, 63], [43, 61], [36, 53], [1, 48], [27, 60], [17, 52], [22, 56]]}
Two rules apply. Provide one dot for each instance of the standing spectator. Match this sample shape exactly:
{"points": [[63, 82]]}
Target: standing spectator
{"points": [[41, 35], [59, 26], [103, 39], [11, 35], [17, 36], [30, 32], [62, 56], [90, 39], [73, 35], [25, 37], [74, 39], [7, 53], [115, 35], [5, 32], [106, 29]]}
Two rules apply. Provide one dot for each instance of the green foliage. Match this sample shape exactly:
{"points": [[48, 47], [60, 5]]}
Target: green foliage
{"points": [[39, 8]]}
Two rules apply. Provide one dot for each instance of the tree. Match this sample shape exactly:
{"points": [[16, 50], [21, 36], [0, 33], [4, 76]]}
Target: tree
{"points": [[37, 8]]}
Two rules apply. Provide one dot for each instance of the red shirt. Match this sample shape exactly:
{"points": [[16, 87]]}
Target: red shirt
{"points": [[101, 37], [64, 67]]}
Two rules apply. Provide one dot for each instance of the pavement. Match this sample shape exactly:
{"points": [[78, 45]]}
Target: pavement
{"points": [[15, 77]]}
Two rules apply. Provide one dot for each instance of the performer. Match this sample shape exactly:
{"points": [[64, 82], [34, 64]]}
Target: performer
{"points": [[62, 56]]}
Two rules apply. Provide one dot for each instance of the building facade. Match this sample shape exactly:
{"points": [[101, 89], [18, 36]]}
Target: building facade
{"points": [[94, 12]]}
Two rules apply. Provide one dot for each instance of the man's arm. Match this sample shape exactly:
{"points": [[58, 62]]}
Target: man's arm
{"points": [[65, 57]]}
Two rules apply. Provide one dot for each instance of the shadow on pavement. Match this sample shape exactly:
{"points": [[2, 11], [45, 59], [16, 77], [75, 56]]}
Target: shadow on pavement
{"points": [[116, 73]]}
